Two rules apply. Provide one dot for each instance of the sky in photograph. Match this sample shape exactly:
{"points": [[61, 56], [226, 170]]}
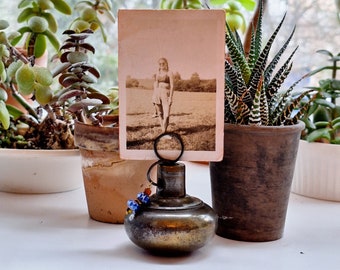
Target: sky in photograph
{"points": [[190, 43]]}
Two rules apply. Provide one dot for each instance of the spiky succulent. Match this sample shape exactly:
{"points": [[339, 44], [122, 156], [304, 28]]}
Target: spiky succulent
{"points": [[253, 94]]}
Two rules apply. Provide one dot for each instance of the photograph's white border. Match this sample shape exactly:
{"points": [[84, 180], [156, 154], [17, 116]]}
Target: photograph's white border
{"points": [[134, 19]]}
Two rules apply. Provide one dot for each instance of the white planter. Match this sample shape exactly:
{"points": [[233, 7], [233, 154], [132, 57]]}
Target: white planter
{"points": [[39, 171], [317, 171]]}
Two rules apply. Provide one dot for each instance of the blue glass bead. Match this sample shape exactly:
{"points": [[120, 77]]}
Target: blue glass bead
{"points": [[133, 205], [143, 198]]}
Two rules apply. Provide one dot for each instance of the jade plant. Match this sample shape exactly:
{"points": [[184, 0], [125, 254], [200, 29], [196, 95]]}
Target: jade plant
{"points": [[322, 119], [253, 82], [53, 97]]}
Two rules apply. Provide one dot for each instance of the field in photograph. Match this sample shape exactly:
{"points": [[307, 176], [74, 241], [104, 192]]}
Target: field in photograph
{"points": [[192, 116]]}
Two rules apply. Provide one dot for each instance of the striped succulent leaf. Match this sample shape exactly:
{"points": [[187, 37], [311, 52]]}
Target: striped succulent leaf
{"points": [[253, 93], [272, 65], [255, 112], [237, 55]]}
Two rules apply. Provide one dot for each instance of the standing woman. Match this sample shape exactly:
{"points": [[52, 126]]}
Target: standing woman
{"points": [[163, 92]]}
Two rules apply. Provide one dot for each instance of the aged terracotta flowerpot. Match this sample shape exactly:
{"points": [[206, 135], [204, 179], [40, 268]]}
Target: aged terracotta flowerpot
{"points": [[251, 185], [109, 180]]}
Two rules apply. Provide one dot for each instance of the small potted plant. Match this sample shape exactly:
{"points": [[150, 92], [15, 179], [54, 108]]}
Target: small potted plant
{"points": [[32, 120], [251, 185], [317, 173], [24, 83], [71, 105]]}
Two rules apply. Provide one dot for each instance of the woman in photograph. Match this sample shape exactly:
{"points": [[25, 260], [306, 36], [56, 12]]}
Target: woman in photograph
{"points": [[163, 92]]}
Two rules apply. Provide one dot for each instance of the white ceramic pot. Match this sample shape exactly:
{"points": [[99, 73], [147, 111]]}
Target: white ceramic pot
{"points": [[39, 171], [317, 171]]}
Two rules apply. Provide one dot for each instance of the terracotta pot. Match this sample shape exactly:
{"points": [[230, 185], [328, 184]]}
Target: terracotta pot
{"points": [[317, 173], [251, 185], [109, 180], [39, 171]]}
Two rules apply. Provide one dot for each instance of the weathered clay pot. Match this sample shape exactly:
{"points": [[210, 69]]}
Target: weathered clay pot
{"points": [[251, 185], [109, 180]]}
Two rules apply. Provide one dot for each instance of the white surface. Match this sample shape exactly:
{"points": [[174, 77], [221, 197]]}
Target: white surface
{"points": [[53, 231]]}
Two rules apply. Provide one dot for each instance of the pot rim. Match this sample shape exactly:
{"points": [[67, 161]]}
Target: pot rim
{"points": [[44, 152], [264, 129]]}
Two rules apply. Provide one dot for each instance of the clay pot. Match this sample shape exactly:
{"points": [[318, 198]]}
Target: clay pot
{"points": [[109, 181], [251, 185]]}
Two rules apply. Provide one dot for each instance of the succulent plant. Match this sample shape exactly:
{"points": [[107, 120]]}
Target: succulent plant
{"points": [[322, 119], [51, 108], [253, 94], [77, 79], [40, 24]]}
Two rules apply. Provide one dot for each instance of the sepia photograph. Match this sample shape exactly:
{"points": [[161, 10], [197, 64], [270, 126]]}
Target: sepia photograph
{"points": [[171, 81]]}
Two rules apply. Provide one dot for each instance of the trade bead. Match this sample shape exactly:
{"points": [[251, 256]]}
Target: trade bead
{"points": [[133, 205]]}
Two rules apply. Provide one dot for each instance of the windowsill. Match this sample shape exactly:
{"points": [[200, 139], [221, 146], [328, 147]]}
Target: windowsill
{"points": [[53, 231]]}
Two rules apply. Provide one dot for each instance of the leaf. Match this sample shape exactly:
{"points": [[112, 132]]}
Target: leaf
{"points": [[43, 94], [100, 96], [3, 75], [24, 3], [336, 121], [22, 31], [25, 15], [62, 6], [324, 103], [323, 133], [52, 23], [85, 103], [4, 115], [52, 38], [88, 47], [336, 126], [248, 4], [218, 2], [12, 69], [43, 75], [40, 45], [328, 53], [70, 94], [14, 111]]}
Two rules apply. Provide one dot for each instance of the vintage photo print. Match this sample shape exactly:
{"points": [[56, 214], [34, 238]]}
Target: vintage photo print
{"points": [[171, 80]]}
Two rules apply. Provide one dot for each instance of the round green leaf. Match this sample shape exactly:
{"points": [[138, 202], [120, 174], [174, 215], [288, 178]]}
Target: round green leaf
{"points": [[43, 75], [25, 78], [43, 94]]}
